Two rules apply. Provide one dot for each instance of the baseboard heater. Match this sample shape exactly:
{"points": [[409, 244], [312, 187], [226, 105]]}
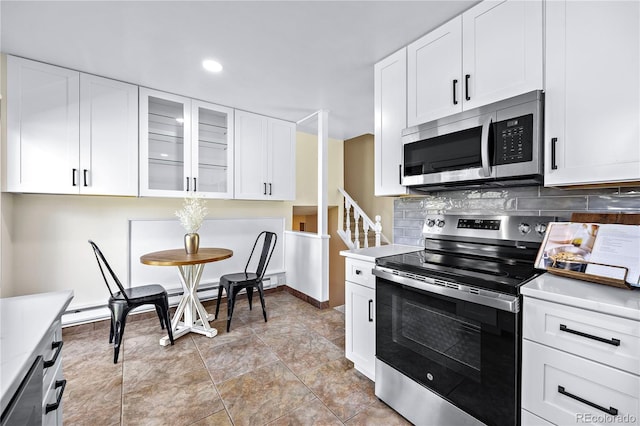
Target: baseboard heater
{"points": [[95, 313]]}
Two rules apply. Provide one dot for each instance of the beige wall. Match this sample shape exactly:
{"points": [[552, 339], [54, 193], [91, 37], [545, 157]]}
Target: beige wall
{"points": [[359, 181], [307, 170], [44, 237]]}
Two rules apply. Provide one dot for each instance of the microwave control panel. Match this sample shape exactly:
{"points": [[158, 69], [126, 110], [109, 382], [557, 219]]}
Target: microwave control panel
{"points": [[514, 140]]}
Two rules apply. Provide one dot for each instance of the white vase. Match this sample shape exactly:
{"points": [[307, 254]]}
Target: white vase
{"points": [[191, 243]]}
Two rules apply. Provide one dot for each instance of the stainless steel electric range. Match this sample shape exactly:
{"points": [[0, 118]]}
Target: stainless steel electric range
{"points": [[448, 320]]}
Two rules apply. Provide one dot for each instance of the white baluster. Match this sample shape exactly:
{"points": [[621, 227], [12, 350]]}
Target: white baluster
{"points": [[356, 233], [378, 230], [347, 220], [365, 227]]}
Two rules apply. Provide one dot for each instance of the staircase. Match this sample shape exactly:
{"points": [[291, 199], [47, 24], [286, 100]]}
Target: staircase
{"points": [[357, 230]]}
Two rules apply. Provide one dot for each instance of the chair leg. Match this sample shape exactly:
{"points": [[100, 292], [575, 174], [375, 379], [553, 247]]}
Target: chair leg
{"points": [[218, 302], [250, 296], [160, 316], [121, 319], [111, 326], [164, 308], [231, 302], [261, 293]]}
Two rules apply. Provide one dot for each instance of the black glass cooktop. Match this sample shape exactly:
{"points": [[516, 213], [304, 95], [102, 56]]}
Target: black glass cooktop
{"points": [[498, 268]]}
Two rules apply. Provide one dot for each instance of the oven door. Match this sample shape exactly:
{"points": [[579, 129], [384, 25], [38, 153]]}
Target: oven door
{"points": [[465, 352]]}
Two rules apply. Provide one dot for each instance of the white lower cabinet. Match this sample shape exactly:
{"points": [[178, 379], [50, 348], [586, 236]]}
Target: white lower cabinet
{"points": [[579, 366], [360, 325]]}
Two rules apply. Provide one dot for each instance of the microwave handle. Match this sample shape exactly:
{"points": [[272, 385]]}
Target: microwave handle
{"points": [[484, 147]]}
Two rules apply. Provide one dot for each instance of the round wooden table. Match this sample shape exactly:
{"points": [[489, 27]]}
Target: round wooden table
{"points": [[190, 267]]}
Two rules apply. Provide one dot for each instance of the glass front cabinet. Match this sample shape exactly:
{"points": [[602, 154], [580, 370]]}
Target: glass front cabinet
{"points": [[185, 146]]}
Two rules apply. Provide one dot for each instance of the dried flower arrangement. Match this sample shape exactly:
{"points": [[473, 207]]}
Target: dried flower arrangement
{"points": [[193, 212]]}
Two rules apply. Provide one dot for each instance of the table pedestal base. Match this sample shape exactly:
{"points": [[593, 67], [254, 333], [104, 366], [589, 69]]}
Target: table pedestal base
{"points": [[190, 316]]}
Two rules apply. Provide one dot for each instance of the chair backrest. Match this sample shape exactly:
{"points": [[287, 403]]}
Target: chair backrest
{"points": [[102, 264], [268, 245]]}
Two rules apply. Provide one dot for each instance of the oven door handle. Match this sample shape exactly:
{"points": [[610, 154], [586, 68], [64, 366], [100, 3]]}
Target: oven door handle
{"points": [[484, 147], [503, 302]]}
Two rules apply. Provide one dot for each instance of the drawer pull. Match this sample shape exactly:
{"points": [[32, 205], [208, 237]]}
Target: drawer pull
{"points": [[614, 342], [52, 407], [370, 309], [54, 345], [358, 272], [612, 411]]}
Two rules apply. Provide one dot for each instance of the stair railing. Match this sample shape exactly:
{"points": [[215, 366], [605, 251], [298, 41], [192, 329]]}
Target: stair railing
{"points": [[351, 207]]}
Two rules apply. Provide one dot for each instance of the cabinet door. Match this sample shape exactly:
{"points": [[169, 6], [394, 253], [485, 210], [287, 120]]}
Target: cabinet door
{"points": [[281, 182], [108, 137], [212, 150], [434, 85], [251, 156], [592, 130], [390, 91], [360, 327], [502, 50], [42, 127], [165, 149]]}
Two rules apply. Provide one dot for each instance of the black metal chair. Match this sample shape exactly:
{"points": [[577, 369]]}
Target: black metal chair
{"points": [[233, 283], [123, 301]]}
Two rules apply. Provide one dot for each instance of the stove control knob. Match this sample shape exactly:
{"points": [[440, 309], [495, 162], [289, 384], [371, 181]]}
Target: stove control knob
{"points": [[430, 223], [439, 223], [541, 228], [524, 228]]}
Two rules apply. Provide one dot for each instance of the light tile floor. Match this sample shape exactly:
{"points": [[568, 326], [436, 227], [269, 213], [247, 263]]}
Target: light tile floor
{"points": [[288, 371]]}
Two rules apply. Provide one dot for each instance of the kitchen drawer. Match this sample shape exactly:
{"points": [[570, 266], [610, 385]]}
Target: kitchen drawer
{"points": [[359, 271], [549, 375], [52, 396], [51, 353], [529, 419], [604, 338]]}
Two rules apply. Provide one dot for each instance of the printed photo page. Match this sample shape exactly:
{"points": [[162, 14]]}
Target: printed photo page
{"points": [[605, 250]]}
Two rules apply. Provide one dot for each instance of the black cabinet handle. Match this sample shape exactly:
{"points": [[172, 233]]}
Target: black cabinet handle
{"points": [[187, 184], [84, 176], [466, 86], [52, 361], [195, 184], [612, 411], [270, 193], [455, 100], [400, 174], [370, 310], [554, 141], [358, 272], [52, 407], [265, 188], [74, 172], [612, 341]]}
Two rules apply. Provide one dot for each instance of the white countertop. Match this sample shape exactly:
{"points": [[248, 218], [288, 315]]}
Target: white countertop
{"points": [[596, 297], [370, 254], [24, 321]]}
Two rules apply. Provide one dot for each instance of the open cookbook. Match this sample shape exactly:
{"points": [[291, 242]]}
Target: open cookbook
{"points": [[596, 250]]}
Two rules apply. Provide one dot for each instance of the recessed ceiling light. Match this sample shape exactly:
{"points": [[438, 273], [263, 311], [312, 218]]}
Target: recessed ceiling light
{"points": [[211, 65]]}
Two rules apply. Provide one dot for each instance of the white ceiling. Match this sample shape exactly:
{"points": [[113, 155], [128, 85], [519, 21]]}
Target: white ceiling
{"points": [[284, 59]]}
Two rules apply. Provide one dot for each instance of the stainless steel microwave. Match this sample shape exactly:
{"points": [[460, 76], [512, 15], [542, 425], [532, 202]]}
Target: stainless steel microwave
{"points": [[500, 144]]}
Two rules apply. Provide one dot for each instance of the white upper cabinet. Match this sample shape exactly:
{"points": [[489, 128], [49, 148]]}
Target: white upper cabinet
{"points": [[69, 132], [185, 146], [108, 137], [434, 66], [265, 158], [502, 50], [491, 52], [390, 105], [592, 100]]}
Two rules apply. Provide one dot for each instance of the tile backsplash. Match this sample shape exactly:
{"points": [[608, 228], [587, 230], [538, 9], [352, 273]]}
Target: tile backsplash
{"points": [[409, 212]]}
